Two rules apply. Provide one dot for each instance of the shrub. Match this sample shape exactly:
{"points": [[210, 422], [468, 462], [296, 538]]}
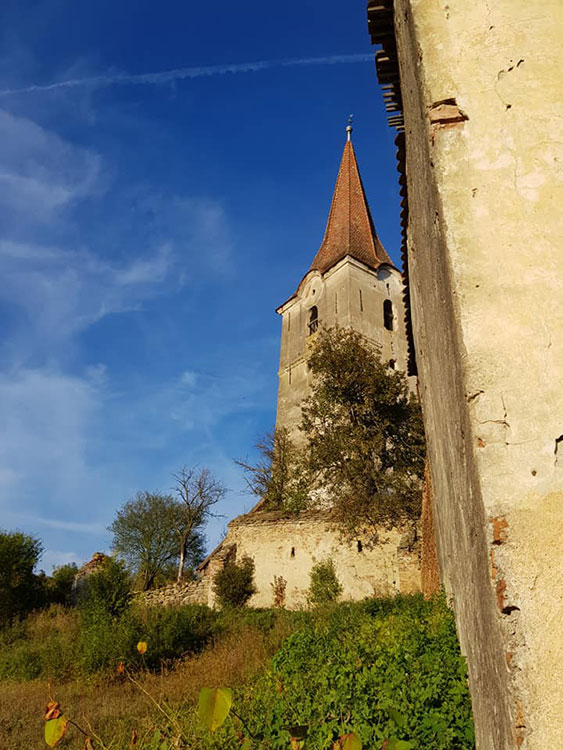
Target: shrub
{"points": [[325, 586], [60, 584], [173, 632], [279, 586], [108, 590], [234, 584]]}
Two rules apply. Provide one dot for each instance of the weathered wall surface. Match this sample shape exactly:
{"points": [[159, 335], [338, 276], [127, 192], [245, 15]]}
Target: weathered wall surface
{"points": [[482, 96], [193, 592], [349, 295], [290, 546]]}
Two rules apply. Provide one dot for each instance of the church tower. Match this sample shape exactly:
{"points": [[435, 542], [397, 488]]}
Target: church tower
{"points": [[351, 283]]}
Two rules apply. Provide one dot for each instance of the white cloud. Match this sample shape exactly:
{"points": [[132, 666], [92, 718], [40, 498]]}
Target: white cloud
{"points": [[62, 292], [75, 442], [40, 173], [45, 419]]}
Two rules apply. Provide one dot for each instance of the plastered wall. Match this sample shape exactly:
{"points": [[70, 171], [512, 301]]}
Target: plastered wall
{"points": [[482, 93], [349, 295], [290, 546]]}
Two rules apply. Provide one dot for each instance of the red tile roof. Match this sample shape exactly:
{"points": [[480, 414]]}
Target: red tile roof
{"points": [[350, 229]]}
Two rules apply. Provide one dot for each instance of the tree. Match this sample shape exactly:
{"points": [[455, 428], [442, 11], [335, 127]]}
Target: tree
{"points": [[20, 589], [234, 583], [60, 583], [364, 432], [197, 492], [144, 535], [279, 476]]}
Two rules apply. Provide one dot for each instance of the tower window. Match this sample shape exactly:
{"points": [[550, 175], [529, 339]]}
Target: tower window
{"points": [[293, 552], [361, 302], [388, 314], [392, 364], [313, 320], [360, 546]]}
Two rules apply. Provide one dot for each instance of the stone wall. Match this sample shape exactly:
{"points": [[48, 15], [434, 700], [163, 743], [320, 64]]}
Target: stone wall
{"points": [[192, 592], [289, 546], [482, 97], [350, 295]]}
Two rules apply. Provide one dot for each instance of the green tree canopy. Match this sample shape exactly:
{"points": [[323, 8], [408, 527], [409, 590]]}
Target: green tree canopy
{"points": [[364, 433], [20, 590], [144, 535]]}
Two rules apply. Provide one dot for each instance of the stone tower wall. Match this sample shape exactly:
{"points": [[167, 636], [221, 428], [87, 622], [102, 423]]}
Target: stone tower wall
{"points": [[349, 295]]}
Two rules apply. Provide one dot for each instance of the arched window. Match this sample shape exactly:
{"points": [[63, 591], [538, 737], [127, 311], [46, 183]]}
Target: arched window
{"points": [[391, 364], [388, 314], [313, 320]]}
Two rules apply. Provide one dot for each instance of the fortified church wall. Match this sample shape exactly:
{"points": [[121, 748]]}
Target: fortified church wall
{"points": [[351, 283]]}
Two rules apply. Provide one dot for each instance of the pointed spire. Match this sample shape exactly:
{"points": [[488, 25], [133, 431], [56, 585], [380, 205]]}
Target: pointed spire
{"points": [[350, 229]]}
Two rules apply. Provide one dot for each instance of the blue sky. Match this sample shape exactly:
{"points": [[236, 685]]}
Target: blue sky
{"points": [[166, 171]]}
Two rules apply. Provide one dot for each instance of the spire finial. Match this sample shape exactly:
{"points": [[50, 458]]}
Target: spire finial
{"points": [[349, 126]]}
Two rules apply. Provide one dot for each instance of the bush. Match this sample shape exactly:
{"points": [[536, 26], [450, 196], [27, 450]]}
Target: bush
{"points": [[173, 632], [234, 584], [108, 590], [325, 586], [60, 584]]}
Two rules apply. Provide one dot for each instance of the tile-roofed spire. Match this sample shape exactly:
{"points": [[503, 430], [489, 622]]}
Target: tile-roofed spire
{"points": [[350, 229]]}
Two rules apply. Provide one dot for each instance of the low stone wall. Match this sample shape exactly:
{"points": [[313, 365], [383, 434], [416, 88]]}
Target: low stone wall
{"points": [[192, 592]]}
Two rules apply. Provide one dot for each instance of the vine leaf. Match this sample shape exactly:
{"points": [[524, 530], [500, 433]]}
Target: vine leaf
{"points": [[213, 706], [55, 730]]}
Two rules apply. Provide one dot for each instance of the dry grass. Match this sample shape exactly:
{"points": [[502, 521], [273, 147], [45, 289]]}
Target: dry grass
{"points": [[113, 709]]}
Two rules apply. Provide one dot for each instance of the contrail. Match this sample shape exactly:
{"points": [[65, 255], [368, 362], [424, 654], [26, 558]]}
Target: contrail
{"points": [[179, 74]]}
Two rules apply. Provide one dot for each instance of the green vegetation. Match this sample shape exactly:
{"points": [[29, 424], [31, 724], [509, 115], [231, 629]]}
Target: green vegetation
{"points": [[364, 432], [375, 672], [389, 671], [363, 449], [325, 586], [161, 536], [234, 583], [280, 476], [20, 589]]}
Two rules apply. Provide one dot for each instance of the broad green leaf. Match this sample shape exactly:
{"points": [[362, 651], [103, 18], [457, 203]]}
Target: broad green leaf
{"points": [[401, 745], [214, 706], [350, 742], [396, 716], [55, 730]]}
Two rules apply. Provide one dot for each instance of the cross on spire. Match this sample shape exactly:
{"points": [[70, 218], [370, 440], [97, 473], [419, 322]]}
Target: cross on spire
{"points": [[349, 127]]}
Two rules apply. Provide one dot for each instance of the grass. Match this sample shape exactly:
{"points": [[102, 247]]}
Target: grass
{"points": [[388, 669], [114, 708]]}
